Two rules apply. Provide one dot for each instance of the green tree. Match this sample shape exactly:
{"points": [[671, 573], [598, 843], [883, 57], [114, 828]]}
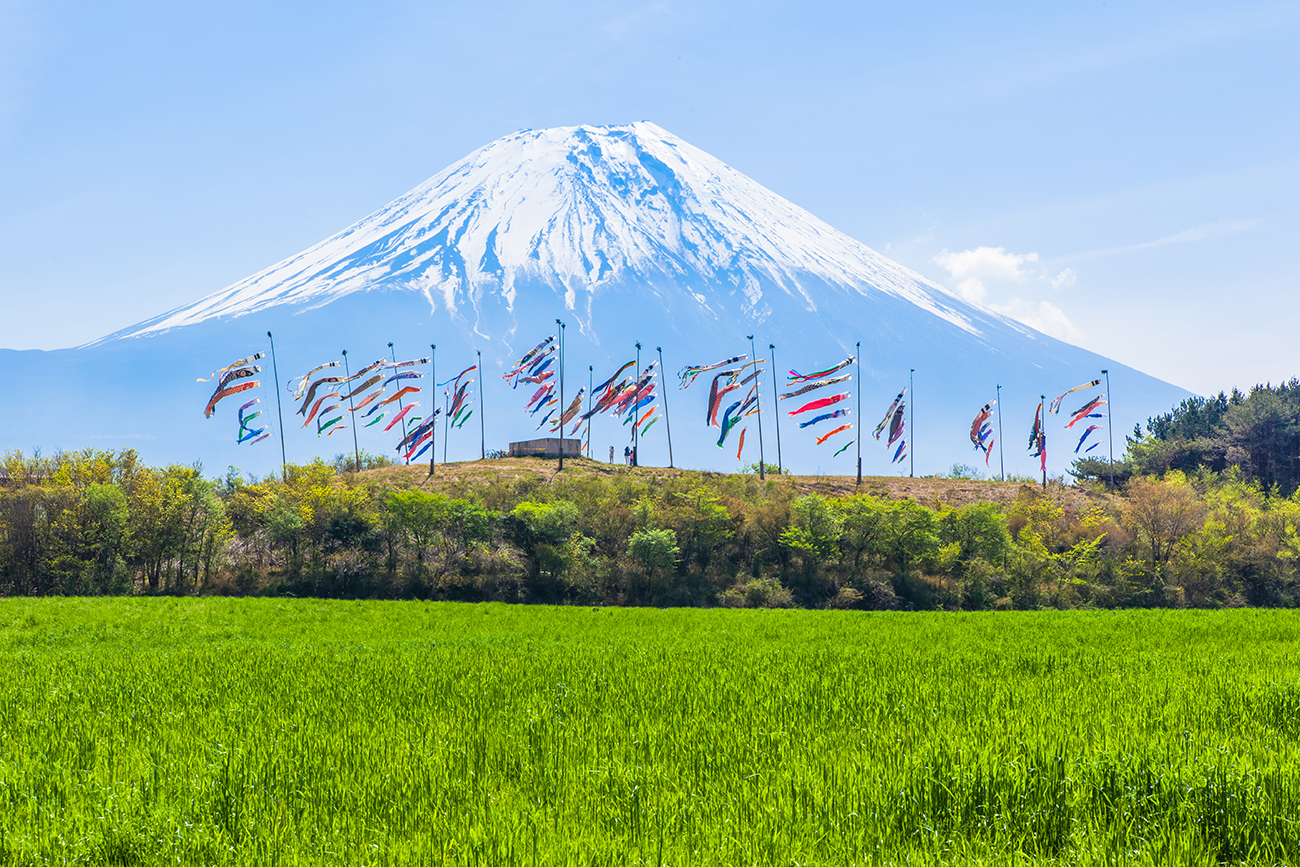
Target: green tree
{"points": [[655, 550], [704, 526], [1161, 513], [418, 519], [544, 531], [979, 529], [814, 533]]}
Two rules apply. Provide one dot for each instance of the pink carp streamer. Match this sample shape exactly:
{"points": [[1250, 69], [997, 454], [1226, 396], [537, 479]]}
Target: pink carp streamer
{"points": [[819, 404], [1088, 410]]}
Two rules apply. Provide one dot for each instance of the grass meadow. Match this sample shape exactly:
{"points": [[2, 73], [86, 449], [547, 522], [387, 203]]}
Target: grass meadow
{"points": [[259, 731]]}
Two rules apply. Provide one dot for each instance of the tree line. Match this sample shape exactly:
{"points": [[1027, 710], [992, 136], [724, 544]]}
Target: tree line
{"points": [[1256, 433], [101, 522]]}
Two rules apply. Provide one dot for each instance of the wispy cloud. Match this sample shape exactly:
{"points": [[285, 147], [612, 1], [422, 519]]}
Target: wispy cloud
{"points": [[1207, 232], [20, 45], [1046, 65], [620, 25], [1065, 278]]}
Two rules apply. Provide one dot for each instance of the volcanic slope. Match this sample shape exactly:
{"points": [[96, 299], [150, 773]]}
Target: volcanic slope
{"points": [[627, 234]]}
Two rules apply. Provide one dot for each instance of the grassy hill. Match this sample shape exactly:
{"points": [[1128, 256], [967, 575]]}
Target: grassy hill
{"points": [[461, 479]]}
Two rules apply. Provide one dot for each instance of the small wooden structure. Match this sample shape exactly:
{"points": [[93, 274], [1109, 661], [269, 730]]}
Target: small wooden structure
{"points": [[546, 448]]}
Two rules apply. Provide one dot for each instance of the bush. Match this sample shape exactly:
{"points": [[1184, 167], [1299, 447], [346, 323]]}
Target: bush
{"points": [[758, 593]]}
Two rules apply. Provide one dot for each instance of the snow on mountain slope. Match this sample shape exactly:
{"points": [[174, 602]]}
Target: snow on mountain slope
{"points": [[581, 209]]}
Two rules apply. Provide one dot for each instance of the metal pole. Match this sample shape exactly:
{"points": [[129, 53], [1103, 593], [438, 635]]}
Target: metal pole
{"points": [[667, 422], [356, 449], [1042, 432], [446, 424], [1002, 464], [911, 423], [771, 347], [857, 357], [1110, 437], [590, 380], [392, 354], [275, 369], [636, 440], [561, 407], [759, 391], [482, 436], [433, 403]]}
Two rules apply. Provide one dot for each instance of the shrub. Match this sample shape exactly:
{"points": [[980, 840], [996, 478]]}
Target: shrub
{"points": [[757, 593]]}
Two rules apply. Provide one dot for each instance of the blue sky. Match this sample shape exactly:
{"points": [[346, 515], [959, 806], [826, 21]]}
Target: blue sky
{"points": [[1123, 175]]}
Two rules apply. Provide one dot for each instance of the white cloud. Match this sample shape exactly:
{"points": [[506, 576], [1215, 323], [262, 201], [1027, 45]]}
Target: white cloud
{"points": [[1043, 316], [1065, 278], [991, 262], [970, 268]]}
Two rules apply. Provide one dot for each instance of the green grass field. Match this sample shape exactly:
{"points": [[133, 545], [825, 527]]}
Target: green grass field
{"points": [[215, 731]]}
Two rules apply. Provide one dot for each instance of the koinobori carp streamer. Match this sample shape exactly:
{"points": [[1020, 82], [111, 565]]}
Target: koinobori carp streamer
{"points": [[889, 413], [824, 437], [819, 404], [981, 431], [815, 385], [226, 392], [243, 362], [795, 376], [1055, 406], [688, 374]]}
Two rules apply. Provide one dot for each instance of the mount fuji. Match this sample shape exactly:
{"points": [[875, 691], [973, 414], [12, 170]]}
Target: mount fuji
{"points": [[626, 234]]}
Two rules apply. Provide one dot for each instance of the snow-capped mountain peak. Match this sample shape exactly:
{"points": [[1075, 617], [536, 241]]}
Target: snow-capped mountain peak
{"points": [[581, 209]]}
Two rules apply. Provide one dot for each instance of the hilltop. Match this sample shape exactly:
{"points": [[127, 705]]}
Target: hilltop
{"points": [[462, 478]]}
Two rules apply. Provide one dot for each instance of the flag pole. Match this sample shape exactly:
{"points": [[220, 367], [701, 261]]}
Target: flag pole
{"points": [[759, 392], [636, 439], [1042, 433], [446, 425], [590, 379], [667, 422], [911, 422], [482, 436], [433, 403], [392, 354], [561, 408], [275, 369], [857, 357], [1002, 464], [356, 449], [776, 409], [1110, 437]]}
